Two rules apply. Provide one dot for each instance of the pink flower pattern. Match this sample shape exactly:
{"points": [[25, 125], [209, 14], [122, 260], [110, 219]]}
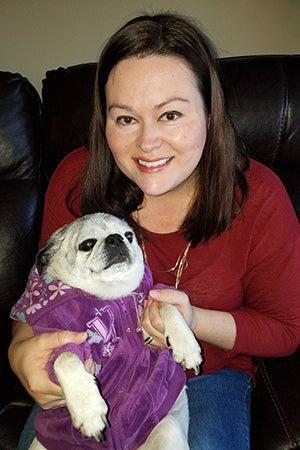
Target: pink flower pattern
{"points": [[31, 291], [40, 290], [59, 289], [33, 308]]}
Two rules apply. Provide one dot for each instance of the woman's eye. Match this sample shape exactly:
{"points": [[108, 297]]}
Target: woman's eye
{"points": [[170, 115], [125, 120]]}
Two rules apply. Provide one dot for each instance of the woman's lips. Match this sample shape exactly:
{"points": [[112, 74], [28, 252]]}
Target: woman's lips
{"points": [[152, 166]]}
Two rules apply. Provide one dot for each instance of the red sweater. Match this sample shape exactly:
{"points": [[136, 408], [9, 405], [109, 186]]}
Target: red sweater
{"points": [[252, 270]]}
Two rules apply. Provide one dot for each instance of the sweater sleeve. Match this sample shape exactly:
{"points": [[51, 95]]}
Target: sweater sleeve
{"points": [[268, 324], [65, 180]]}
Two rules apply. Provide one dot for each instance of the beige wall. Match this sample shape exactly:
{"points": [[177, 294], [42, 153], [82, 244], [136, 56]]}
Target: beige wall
{"points": [[37, 35]]}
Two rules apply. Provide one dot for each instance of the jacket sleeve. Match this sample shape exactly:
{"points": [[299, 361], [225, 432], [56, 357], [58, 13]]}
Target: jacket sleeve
{"points": [[82, 351]]}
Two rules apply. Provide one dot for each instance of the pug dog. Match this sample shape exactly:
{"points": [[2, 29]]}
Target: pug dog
{"points": [[91, 276]]}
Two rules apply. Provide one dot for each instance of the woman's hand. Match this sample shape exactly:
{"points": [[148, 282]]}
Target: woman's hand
{"points": [[28, 356], [151, 319], [215, 327]]}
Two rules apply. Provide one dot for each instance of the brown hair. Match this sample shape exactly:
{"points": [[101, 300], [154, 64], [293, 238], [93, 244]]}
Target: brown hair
{"points": [[221, 167]]}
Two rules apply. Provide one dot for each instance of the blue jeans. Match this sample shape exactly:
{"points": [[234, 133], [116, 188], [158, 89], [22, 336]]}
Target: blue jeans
{"points": [[219, 406], [28, 433]]}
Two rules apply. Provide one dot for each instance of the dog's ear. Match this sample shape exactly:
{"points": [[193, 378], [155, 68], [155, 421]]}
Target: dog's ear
{"points": [[51, 246], [44, 255]]}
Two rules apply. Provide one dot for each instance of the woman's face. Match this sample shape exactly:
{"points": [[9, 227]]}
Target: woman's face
{"points": [[156, 123]]}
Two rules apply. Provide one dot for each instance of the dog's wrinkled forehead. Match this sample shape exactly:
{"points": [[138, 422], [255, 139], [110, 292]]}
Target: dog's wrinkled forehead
{"points": [[97, 227], [94, 253], [100, 225]]}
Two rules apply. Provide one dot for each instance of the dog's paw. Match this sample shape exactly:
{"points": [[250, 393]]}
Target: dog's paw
{"points": [[180, 338], [185, 349], [86, 406], [89, 411]]}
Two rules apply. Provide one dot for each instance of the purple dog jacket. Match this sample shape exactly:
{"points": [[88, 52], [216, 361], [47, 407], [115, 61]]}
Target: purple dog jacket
{"points": [[139, 384]]}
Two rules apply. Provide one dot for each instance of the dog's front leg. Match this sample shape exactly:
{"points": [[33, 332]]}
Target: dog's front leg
{"points": [[180, 338], [83, 399]]}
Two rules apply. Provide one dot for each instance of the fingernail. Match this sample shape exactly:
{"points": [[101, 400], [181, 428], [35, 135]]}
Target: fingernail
{"points": [[155, 293]]}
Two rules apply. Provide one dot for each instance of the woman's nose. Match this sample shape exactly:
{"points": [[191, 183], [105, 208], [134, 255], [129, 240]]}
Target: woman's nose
{"points": [[149, 138]]}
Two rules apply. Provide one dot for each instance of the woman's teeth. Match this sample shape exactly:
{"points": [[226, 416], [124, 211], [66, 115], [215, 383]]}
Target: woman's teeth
{"points": [[153, 163]]}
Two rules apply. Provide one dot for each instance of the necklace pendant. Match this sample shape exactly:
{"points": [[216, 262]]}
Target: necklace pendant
{"points": [[180, 265]]}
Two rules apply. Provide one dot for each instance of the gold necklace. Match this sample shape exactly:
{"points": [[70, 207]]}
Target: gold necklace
{"points": [[180, 265]]}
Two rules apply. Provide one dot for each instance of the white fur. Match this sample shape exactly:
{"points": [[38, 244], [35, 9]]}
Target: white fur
{"points": [[185, 348], [85, 270], [85, 404]]}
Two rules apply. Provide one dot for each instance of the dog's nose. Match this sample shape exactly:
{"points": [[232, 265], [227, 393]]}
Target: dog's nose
{"points": [[115, 240], [115, 250]]}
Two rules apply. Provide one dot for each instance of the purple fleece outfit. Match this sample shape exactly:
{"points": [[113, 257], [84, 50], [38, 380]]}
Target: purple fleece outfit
{"points": [[139, 384]]}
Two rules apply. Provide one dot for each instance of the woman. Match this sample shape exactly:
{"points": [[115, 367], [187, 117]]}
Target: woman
{"points": [[163, 155]]}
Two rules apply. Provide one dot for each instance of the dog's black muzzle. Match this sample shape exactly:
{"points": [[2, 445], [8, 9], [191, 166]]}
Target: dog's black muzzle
{"points": [[116, 250]]}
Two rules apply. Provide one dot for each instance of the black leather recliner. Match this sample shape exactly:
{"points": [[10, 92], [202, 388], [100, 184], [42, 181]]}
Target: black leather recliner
{"points": [[263, 99], [20, 218]]}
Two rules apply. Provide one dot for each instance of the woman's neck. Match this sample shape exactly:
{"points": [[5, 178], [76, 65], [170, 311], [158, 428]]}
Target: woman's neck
{"points": [[163, 214]]}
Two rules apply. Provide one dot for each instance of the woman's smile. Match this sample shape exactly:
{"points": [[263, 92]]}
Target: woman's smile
{"points": [[148, 166], [156, 122]]}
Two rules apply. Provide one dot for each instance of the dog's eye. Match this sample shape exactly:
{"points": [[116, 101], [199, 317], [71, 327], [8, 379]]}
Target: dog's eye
{"points": [[88, 245], [129, 236]]}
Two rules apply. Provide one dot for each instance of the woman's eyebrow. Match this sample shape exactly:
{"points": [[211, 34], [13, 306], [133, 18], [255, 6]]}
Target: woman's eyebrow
{"points": [[159, 106], [171, 100], [120, 106]]}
